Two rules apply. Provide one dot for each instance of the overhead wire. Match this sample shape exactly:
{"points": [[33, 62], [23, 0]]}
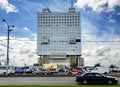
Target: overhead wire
{"points": [[81, 40]]}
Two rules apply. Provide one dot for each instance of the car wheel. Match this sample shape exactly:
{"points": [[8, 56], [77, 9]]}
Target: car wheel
{"points": [[110, 82], [34, 73], [85, 82], [105, 72], [69, 73], [79, 73], [4, 73]]}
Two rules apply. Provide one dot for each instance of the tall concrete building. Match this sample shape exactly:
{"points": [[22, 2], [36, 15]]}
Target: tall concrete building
{"points": [[59, 37]]}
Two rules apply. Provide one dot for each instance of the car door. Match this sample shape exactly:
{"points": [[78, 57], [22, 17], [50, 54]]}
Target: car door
{"points": [[100, 79], [89, 77]]}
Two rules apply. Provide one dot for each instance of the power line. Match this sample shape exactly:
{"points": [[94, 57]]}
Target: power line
{"points": [[99, 41], [63, 41], [81, 33]]}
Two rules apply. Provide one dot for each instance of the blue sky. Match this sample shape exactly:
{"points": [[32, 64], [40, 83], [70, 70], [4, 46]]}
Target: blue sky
{"points": [[99, 22]]}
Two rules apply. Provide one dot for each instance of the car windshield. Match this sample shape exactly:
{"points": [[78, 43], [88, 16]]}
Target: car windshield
{"points": [[82, 74]]}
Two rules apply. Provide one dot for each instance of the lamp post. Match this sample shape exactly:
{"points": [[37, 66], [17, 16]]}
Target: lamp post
{"points": [[9, 28]]}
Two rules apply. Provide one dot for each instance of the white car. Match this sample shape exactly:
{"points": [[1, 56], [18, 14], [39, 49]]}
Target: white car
{"points": [[3, 69], [103, 70]]}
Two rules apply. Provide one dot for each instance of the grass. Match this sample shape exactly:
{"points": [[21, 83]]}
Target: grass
{"points": [[59, 85]]}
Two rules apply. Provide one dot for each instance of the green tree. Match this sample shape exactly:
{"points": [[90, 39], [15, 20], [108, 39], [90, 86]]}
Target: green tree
{"points": [[73, 65], [36, 64], [97, 65], [112, 66]]}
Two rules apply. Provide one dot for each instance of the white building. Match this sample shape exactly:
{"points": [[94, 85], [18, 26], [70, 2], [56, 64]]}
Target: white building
{"points": [[59, 37]]}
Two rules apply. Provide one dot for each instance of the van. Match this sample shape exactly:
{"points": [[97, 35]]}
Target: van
{"points": [[103, 70], [11, 70]]}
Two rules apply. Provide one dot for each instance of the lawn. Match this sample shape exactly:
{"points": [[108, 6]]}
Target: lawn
{"points": [[59, 85]]}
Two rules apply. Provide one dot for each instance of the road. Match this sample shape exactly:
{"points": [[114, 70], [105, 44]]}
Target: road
{"points": [[39, 80]]}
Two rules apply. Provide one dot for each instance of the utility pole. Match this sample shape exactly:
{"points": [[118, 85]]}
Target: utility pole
{"points": [[9, 28]]}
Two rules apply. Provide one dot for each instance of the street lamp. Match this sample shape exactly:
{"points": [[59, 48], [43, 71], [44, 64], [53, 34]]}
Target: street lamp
{"points": [[9, 28]]}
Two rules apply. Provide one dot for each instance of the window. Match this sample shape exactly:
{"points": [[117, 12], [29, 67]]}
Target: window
{"points": [[67, 55], [98, 75], [45, 40], [72, 41], [90, 75], [78, 40]]}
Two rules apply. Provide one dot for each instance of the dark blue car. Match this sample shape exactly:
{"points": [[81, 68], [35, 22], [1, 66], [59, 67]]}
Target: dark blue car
{"points": [[95, 78], [19, 70], [41, 71]]}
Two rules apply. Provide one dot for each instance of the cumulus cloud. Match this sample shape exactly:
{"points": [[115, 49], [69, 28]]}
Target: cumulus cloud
{"points": [[23, 51], [105, 53], [98, 5], [4, 4]]}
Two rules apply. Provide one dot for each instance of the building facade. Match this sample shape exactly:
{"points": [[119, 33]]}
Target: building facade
{"points": [[59, 37]]}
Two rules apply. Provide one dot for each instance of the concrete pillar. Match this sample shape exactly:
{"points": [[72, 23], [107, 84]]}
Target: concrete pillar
{"points": [[81, 61], [72, 59], [40, 61], [45, 59]]}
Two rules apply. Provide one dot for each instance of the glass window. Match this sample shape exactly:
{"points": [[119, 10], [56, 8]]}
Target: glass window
{"points": [[90, 75], [98, 75]]}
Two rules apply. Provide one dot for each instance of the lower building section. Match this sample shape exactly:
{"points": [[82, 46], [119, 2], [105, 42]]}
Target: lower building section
{"points": [[61, 59]]}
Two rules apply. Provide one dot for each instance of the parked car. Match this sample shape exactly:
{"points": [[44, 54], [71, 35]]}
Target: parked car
{"points": [[3, 68], [28, 70], [103, 70], [41, 71], [115, 71], [19, 70], [75, 71], [63, 69], [95, 78]]}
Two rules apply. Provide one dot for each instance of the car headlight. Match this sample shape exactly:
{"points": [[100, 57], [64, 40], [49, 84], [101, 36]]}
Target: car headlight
{"points": [[116, 79]]}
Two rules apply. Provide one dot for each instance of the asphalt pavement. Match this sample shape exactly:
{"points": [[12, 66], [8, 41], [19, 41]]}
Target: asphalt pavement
{"points": [[39, 81]]}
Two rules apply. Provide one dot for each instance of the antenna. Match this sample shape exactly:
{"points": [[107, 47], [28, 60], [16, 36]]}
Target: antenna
{"points": [[71, 3]]}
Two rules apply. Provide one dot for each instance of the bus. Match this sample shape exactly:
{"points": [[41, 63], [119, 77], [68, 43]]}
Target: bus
{"points": [[3, 69]]}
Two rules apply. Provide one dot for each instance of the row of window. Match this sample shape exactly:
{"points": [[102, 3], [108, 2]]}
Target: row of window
{"points": [[57, 25], [55, 32], [57, 20], [55, 49], [58, 14], [58, 17], [56, 36], [60, 45], [71, 40], [62, 22]]}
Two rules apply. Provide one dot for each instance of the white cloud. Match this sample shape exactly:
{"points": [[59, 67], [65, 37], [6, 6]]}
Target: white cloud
{"points": [[98, 5], [23, 52], [110, 18], [112, 21], [118, 13], [4, 4], [105, 53], [26, 29]]}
